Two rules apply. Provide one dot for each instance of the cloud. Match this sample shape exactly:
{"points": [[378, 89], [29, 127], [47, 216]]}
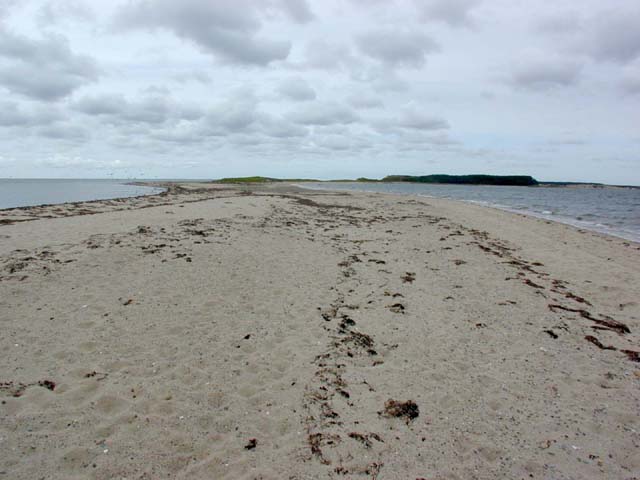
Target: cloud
{"points": [[364, 101], [13, 114], [561, 23], [298, 10], [397, 48], [543, 72], [456, 13], [630, 84], [64, 132], [280, 128], [614, 35], [151, 109], [44, 69], [296, 88], [192, 76], [55, 11], [235, 115], [324, 55], [414, 119], [323, 114], [227, 30], [410, 118]]}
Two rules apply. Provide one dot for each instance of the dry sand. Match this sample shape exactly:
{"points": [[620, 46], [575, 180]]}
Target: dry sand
{"points": [[257, 333]]}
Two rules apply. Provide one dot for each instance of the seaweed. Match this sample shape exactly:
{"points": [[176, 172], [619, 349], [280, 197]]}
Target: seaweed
{"points": [[394, 408], [598, 343]]}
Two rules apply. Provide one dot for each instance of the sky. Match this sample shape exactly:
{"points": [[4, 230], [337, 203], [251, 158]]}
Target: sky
{"points": [[320, 89]]}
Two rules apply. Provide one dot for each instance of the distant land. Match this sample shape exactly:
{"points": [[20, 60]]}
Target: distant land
{"points": [[514, 180], [475, 179]]}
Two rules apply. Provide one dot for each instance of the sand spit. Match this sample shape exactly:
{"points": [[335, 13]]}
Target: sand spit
{"points": [[271, 332]]}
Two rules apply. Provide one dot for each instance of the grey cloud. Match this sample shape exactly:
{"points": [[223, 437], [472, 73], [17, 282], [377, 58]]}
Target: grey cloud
{"points": [[6, 6], [280, 128], [364, 101], [397, 48], [296, 88], [44, 69], [614, 35], [101, 105], [55, 11], [419, 121], [64, 132], [334, 142], [411, 119], [630, 83], [545, 72], [151, 109], [228, 30], [456, 13], [323, 114], [298, 10], [328, 56], [559, 23], [195, 76], [14, 115], [235, 115]]}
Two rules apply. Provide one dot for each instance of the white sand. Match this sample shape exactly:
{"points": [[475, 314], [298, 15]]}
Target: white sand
{"points": [[178, 332]]}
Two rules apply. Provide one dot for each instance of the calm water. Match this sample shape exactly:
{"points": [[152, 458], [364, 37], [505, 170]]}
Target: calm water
{"points": [[615, 211], [28, 192]]}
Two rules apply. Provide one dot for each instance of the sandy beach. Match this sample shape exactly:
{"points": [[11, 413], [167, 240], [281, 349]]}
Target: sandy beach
{"points": [[272, 332]]}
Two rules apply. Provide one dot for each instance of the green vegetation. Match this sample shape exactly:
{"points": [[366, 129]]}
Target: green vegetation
{"points": [[517, 180]]}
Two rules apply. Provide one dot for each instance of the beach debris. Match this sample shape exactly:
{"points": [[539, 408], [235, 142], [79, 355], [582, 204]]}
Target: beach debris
{"points": [[457, 261], [396, 308], [124, 302], [577, 298], [359, 339], [408, 277], [632, 355], [598, 343], [372, 469], [365, 438], [346, 322], [251, 444], [395, 408], [316, 440], [551, 333], [98, 375], [17, 389], [532, 284], [605, 323], [376, 261]]}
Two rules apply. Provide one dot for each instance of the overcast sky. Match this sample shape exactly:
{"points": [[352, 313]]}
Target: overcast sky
{"points": [[323, 89]]}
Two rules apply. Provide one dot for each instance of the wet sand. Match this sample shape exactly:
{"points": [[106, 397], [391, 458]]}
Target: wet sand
{"points": [[272, 332]]}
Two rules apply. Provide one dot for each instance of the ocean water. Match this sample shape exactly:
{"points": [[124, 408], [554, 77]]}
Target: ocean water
{"points": [[28, 192], [614, 211]]}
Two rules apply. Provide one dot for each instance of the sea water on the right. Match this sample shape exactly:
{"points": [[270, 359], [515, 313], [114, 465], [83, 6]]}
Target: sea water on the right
{"points": [[610, 210]]}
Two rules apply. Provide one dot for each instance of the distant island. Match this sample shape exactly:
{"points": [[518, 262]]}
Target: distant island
{"points": [[513, 180]]}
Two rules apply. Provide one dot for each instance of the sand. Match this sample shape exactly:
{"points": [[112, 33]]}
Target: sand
{"points": [[278, 333]]}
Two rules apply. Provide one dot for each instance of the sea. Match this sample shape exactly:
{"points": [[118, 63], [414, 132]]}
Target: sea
{"points": [[22, 192], [610, 210]]}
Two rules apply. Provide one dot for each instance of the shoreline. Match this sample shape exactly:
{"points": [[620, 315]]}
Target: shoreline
{"points": [[168, 186], [573, 222], [274, 331]]}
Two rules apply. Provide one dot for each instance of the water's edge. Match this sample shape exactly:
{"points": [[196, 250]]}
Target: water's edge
{"points": [[564, 220]]}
